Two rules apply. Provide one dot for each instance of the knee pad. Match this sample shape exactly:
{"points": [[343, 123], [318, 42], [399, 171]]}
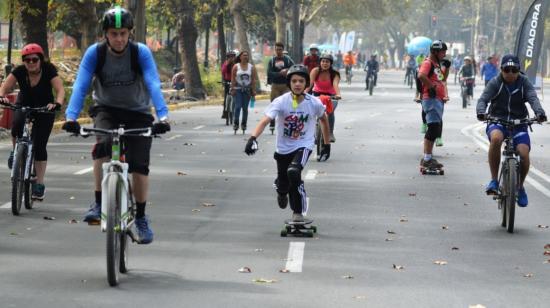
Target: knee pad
{"points": [[434, 131], [294, 172], [101, 150]]}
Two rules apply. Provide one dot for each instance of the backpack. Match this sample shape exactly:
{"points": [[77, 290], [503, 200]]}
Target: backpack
{"points": [[419, 86], [102, 54]]}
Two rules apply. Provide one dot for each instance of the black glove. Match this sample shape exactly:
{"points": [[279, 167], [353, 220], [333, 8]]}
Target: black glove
{"points": [[431, 92], [251, 146], [71, 127], [446, 63], [481, 117], [541, 118], [325, 152], [160, 128]]}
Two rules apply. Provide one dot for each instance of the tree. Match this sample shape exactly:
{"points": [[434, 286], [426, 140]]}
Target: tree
{"points": [[34, 19], [137, 7]]}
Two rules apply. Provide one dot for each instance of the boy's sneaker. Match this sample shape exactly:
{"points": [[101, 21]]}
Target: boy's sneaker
{"points": [[438, 142], [38, 191], [522, 197], [297, 217], [282, 200], [10, 160], [145, 233], [492, 188], [94, 214], [431, 164], [423, 128]]}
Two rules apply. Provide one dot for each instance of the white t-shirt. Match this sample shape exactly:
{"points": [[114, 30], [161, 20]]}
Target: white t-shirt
{"points": [[295, 127], [244, 77]]}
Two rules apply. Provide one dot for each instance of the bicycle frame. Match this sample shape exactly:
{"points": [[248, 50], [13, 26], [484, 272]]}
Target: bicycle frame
{"points": [[25, 139]]}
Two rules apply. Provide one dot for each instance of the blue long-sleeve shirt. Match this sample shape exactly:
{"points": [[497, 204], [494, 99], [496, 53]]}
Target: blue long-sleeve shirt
{"points": [[489, 71], [121, 88]]}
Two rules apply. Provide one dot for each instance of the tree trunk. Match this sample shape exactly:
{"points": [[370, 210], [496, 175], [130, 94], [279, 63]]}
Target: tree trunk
{"points": [[280, 31], [496, 25], [89, 24], [240, 25], [221, 31], [34, 18], [137, 7], [207, 22], [188, 35]]}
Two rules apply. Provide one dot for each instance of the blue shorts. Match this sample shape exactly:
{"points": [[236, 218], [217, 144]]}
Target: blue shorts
{"points": [[521, 135], [433, 108]]}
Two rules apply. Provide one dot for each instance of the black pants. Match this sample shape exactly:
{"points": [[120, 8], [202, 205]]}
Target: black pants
{"points": [[287, 182], [41, 129]]}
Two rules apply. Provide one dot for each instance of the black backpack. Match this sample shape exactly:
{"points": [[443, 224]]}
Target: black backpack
{"points": [[102, 54], [419, 85]]}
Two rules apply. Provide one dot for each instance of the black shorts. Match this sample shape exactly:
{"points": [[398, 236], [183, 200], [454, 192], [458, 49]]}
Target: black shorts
{"points": [[137, 149]]}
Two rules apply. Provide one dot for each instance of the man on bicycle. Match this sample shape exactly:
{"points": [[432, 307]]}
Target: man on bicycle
{"points": [[507, 94], [311, 61], [467, 75], [411, 68], [122, 91], [227, 66], [433, 94], [297, 113], [349, 62], [371, 67]]}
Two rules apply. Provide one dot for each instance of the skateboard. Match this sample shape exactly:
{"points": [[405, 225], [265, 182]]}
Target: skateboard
{"points": [[299, 228], [431, 171]]}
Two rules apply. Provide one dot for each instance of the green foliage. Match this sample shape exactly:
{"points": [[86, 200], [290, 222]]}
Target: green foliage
{"points": [[211, 81]]}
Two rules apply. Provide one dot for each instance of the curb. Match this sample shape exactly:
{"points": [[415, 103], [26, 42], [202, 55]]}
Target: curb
{"points": [[209, 102]]}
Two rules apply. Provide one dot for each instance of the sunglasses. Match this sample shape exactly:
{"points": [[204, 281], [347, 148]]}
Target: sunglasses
{"points": [[510, 70], [31, 60]]}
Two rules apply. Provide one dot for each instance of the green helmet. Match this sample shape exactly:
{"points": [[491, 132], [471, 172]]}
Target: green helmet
{"points": [[118, 18]]}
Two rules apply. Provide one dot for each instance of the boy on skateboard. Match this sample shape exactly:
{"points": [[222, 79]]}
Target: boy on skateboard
{"points": [[296, 113]]}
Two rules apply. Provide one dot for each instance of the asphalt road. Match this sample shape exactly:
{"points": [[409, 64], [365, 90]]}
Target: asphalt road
{"points": [[382, 227]]}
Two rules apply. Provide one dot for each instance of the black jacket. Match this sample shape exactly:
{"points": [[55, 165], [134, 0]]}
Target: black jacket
{"points": [[506, 105]]}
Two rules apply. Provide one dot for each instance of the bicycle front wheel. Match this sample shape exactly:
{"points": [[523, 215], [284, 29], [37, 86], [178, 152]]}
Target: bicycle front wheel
{"points": [[318, 140], [464, 98], [18, 179], [371, 86], [113, 229], [511, 193]]}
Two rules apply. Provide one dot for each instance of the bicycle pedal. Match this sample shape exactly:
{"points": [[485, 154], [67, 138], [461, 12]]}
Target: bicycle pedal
{"points": [[94, 223]]}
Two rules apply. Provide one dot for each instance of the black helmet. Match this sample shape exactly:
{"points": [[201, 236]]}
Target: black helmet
{"points": [[297, 69], [118, 18], [438, 45], [327, 56]]}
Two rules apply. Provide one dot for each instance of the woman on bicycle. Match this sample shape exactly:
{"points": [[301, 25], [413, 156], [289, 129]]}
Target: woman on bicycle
{"points": [[326, 81], [243, 87], [36, 79]]}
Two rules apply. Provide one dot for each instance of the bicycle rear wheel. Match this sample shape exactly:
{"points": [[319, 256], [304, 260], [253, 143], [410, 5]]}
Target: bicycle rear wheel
{"points": [[113, 229], [18, 180], [464, 97], [511, 192], [371, 85]]}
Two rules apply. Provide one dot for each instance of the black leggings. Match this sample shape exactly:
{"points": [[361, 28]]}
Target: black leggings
{"points": [[289, 167], [41, 129]]}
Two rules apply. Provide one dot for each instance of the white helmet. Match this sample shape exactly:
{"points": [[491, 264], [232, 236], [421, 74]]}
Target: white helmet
{"points": [[467, 58], [313, 46]]}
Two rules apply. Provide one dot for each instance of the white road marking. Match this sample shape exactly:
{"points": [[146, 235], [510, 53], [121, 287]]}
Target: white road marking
{"points": [[375, 114], [6, 205], [310, 175], [295, 257], [84, 171], [483, 143], [173, 137], [198, 127]]}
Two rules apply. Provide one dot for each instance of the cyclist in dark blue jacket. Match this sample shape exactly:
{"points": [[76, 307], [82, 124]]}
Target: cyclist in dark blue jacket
{"points": [[507, 94]]}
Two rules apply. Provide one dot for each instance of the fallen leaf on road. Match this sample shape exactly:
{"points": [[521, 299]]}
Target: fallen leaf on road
{"points": [[454, 248], [542, 226], [263, 280], [412, 194], [222, 171], [398, 267], [14, 233], [403, 219], [206, 204], [391, 232], [181, 173], [389, 239], [440, 262], [347, 277], [477, 306], [359, 297], [258, 250], [445, 227], [73, 221], [245, 270], [72, 197], [284, 270], [49, 218], [188, 144], [466, 204], [29, 229], [528, 275], [195, 210]]}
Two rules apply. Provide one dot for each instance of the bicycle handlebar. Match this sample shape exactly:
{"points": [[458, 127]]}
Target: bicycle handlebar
{"points": [[513, 122], [121, 131], [43, 109]]}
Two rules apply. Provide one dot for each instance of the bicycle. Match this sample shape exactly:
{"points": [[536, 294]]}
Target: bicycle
{"points": [[349, 74], [465, 84], [370, 82], [118, 208], [330, 105], [23, 171], [227, 103], [409, 77], [509, 172]]}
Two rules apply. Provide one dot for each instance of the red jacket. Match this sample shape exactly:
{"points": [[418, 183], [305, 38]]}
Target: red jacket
{"points": [[311, 62]]}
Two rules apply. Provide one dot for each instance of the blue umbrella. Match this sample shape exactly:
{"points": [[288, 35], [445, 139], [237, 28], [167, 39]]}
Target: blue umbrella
{"points": [[418, 45]]}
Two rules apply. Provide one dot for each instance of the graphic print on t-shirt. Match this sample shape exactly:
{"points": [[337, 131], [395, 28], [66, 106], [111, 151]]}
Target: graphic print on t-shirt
{"points": [[280, 64], [244, 80], [294, 124]]}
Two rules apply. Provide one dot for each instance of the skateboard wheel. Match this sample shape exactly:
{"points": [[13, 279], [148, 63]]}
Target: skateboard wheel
{"points": [[441, 172], [309, 234], [288, 229], [314, 228], [283, 233]]}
